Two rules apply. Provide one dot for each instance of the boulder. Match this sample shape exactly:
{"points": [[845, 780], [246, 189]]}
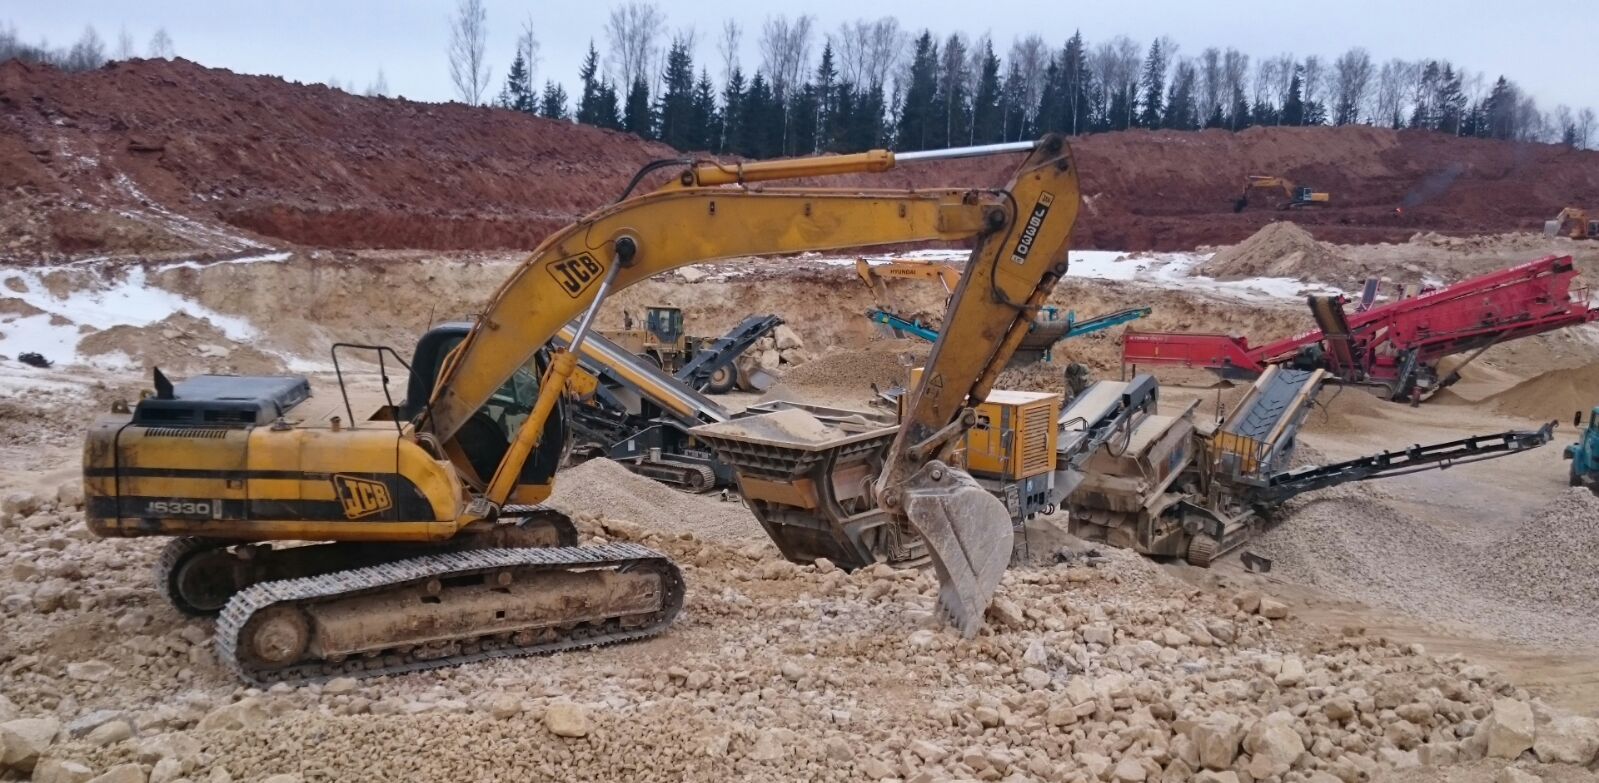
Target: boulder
{"points": [[787, 338], [1568, 739], [566, 719], [242, 714], [1509, 729], [1128, 770], [1216, 740], [70, 495], [1513, 775], [21, 504], [1273, 744], [90, 671], [24, 740], [121, 773], [61, 771], [109, 733], [1273, 609]]}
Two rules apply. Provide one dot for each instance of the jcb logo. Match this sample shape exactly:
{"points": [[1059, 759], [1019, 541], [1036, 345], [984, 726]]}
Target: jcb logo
{"points": [[361, 497], [575, 274]]}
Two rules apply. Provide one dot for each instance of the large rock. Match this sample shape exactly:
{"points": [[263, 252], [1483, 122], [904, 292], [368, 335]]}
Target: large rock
{"points": [[1273, 744], [1568, 739], [90, 671], [787, 338], [1216, 740], [61, 771], [24, 740], [70, 495], [121, 773], [566, 719], [21, 504], [1513, 775], [1509, 729], [242, 714], [109, 733]]}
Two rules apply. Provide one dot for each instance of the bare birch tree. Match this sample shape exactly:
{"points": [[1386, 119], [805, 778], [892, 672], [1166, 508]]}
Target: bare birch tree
{"points": [[468, 51], [527, 45], [632, 31], [161, 45], [1351, 79], [785, 51], [728, 46], [126, 50]]}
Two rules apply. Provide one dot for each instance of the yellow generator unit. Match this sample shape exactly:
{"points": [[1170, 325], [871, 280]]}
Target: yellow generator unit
{"points": [[1011, 448]]}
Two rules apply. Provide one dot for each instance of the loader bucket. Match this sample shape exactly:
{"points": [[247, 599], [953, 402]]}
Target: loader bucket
{"points": [[967, 532]]}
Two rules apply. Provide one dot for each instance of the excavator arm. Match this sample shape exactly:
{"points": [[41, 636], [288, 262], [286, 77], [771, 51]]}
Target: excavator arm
{"points": [[712, 213]]}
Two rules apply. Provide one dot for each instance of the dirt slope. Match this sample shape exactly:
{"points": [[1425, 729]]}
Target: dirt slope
{"points": [[168, 142]]}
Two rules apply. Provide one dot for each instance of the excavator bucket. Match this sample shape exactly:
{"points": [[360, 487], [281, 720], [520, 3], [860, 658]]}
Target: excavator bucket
{"points": [[967, 532]]}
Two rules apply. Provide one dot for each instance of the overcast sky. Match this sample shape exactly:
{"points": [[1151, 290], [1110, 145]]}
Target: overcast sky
{"points": [[1538, 46]]}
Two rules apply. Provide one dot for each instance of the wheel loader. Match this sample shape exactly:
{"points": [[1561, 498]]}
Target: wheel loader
{"points": [[413, 539]]}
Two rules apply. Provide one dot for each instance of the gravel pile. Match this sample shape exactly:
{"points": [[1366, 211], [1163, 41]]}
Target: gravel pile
{"points": [[1553, 557], [1536, 586]]}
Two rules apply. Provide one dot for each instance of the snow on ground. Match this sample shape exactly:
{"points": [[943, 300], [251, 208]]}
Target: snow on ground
{"points": [[96, 297]]}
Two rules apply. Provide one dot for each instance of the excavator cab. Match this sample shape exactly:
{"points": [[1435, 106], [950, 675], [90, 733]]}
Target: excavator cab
{"points": [[488, 434], [665, 324]]}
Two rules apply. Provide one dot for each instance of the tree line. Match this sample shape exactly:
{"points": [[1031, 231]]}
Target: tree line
{"points": [[90, 51], [870, 83]]}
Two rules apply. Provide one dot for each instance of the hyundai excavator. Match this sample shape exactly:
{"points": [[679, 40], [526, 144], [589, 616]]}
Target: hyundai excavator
{"points": [[414, 539]]}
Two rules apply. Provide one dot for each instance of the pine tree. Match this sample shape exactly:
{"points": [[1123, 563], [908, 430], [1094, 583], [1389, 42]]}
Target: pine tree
{"points": [[1500, 110], [1154, 84], [609, 113], [827, 97], [1294, 105], [733, 114], [553, 102], [804, 107], [1051, 114], [1078, 85], [1013, 108], [762, 126], [1219, 120], [988, 121], [916, 111], [706, 123], [1241, 115], [842, 119], [1181, 112], [588, 104], [870, 131], [952, 101], [637, 117], [1451, 101], [515, 95], [676, 108]]}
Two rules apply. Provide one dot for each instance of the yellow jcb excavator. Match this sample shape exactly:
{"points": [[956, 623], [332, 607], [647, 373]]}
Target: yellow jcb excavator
{"points": [[1572, 223], [1297, 197], [429, 551]]}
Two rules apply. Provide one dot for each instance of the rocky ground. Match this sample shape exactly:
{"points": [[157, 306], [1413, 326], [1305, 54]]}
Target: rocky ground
{"points": [[1099, 667]]}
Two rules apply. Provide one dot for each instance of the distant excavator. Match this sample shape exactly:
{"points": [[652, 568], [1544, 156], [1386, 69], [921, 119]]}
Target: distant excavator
{"points": [[1298, 197], [1572, 223]]}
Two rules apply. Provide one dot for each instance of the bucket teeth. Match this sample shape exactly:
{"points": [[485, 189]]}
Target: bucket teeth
{"points": [[968, 536]]}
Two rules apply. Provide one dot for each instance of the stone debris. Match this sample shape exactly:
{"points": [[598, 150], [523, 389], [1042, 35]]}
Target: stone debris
{"points": [[566, 719]]}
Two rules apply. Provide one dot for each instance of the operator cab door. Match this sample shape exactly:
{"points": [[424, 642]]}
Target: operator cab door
{"points": [[486, 436]]}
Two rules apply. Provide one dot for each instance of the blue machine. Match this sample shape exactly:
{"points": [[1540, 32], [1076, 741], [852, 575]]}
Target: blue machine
{"points": [[1048, 330], [1584, 454]]}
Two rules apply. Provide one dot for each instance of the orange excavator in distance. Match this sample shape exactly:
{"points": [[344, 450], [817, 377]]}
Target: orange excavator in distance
{"points": [[1573, 223], [1297, 197]]}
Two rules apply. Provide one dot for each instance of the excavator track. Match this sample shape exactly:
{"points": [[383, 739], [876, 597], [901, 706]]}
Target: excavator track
{"points": [[446, 610], [199, 575]]}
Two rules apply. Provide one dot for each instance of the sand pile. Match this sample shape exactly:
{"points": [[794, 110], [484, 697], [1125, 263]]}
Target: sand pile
{"points": [[1552, 395], [184, 344], [602, 488], [1345, 409], [1281, 249]]}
